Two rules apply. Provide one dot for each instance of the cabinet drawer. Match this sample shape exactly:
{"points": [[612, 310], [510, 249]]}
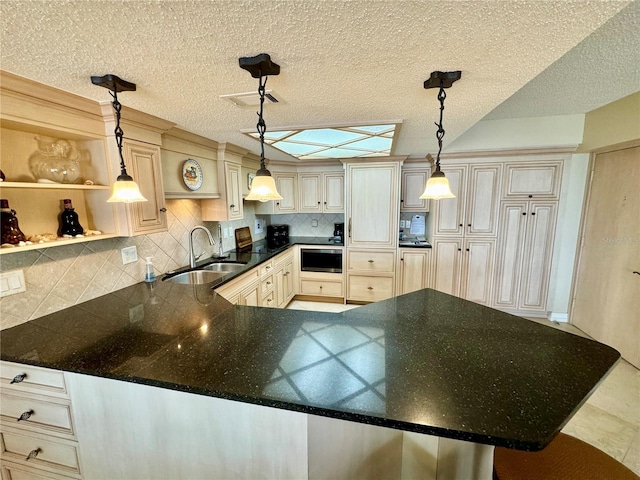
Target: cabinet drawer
{"points": [[371, 260], [266, 285], [46, 414], [269, 300], [319, 287], [266, 268], [15, 471], [36, 379], [369, 288], [58, 455]]}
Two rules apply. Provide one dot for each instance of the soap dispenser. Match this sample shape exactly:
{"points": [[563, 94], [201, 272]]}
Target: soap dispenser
{"points": [[150, 275]]}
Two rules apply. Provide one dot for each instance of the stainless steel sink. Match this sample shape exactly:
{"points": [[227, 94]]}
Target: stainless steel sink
{"points": [[195, 277], [224, 267]]}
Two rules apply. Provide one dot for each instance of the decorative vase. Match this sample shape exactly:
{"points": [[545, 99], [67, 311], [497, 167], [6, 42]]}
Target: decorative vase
{"points": [[11, 232], [55, 161], [69, 223]]}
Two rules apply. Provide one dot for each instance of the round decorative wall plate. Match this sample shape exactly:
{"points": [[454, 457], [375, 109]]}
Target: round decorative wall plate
{"points": [[192, 174]]}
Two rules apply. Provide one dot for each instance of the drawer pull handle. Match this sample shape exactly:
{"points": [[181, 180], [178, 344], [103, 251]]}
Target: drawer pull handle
{"points": [[370, 261], [320, 287], [163, 209], [26, 415], [369, 288], [33, 453], [19, 378], [232, 206], [268, 283], [268, 267]]}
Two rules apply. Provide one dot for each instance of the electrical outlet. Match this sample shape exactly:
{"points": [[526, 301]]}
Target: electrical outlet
{"points": [[314, 223], [259, 226], [129, 255], [12, 283]]}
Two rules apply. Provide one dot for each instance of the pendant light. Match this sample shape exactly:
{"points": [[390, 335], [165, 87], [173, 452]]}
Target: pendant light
{"points": [[438, 186], [124, 189], [263, 186]]}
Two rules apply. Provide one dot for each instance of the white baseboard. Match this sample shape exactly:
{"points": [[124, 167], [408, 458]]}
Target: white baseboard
{"points": [[558, 317]]}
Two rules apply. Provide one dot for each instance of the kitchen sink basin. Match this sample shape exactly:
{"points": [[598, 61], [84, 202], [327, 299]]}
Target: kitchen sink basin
{"points": [[224, 267], [195, 277]]}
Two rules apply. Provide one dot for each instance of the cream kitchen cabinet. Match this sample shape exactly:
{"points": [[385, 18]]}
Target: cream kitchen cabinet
{"points": [[229, 207], [373, 203], [412, 186], [474, 211], [287, 185], [143, 164], [321, 192], [527, 231], [244, 290], [414, 272], [464, 267], [370, 274], [532, 180], [284, 278], [37, 426]]}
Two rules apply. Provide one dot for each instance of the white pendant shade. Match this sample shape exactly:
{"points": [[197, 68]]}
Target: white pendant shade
{"points": [[125, 191], [263, 189], [437, 187]]}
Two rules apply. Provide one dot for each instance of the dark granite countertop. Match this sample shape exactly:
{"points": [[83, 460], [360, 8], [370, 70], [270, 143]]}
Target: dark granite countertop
{"points": [[425, 362]]}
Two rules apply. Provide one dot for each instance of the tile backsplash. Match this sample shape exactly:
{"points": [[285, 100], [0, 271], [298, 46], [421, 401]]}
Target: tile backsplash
{"points": [[59, 277], [301, 224]]}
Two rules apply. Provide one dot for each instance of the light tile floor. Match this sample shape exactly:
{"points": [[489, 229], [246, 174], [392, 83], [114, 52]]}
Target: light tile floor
{"points": [[609, 420]]}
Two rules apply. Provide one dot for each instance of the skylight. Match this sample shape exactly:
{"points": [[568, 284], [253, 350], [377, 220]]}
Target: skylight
{"points": [[320, 143]]}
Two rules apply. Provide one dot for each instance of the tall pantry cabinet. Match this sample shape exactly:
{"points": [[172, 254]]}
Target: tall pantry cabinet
{"points": [[493, 243], [372, 210], [464, 232]]}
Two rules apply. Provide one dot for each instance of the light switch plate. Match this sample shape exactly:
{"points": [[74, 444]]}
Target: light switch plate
{"points": [[12, 283], [129, 255]]}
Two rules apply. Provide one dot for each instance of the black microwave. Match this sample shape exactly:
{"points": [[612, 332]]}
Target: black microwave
{"points": [[321, 260]]}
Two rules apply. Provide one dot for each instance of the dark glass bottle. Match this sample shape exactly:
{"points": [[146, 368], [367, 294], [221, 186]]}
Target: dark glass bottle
{"points": [[11, 232], [69, 224]]}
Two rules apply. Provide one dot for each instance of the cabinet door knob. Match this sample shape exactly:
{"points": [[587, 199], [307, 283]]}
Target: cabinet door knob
{"points": [[468, 225], [19, 378], [268, 267], [163, 209], [320, 287], [401, 200], [370, 261], [33, 453], [369, 288], [460, 224], [467, 249], [25, 415], [268, 283], [319, 203], [325, 203], [533, 213], [232, 206], [530, 196], [524, 213], [459, 249]]}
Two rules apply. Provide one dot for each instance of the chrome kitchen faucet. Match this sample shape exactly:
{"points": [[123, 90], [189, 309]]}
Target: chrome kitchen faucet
{"points": [[192, 257]]}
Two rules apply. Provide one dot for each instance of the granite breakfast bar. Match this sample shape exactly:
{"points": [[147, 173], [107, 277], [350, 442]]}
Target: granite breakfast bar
{"points": [[169, 381]]}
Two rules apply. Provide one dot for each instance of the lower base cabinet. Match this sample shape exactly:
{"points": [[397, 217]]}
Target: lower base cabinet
{"points": [[414, 271], [370, 274]]}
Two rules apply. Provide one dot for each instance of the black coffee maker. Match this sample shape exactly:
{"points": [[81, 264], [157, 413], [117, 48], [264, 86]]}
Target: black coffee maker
{"points": [[338, 231]]}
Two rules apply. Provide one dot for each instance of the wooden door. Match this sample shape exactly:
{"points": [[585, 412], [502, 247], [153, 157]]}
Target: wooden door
{"points": [[607, 291], [373, 191], [450, 211], [536, 260], [143, 163], [413, 270], [333, 192], [483, 199], [310, 192], [510, 247], [412, 186], [286, 185], [477, 270], [447, 265], [234, 191]]}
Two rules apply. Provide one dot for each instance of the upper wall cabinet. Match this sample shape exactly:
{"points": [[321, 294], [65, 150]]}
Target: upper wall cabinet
{"points": [[180, 146], [54, 147], [287, 185], [321, 192], [229, 206], [141, 152], [413, 181], [538, 180]]}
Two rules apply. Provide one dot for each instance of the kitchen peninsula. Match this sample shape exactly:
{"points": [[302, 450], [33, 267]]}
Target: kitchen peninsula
{"points": [[172, 381]]}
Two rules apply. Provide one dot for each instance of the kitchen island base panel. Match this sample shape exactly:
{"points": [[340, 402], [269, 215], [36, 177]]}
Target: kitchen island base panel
{"points": [[126, 430]]}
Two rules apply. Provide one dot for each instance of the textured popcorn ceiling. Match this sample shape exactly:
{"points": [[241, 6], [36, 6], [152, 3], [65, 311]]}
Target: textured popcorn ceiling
{"points": [[341, 61]]}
